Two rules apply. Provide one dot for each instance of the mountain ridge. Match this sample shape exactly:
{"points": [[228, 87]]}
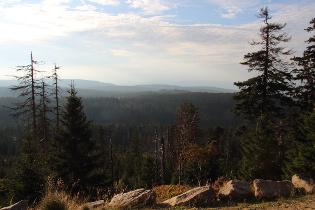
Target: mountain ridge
{"points": [[96, 88]]}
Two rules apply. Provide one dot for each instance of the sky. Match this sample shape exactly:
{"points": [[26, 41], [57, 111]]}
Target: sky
{"points": [[131, 42]]}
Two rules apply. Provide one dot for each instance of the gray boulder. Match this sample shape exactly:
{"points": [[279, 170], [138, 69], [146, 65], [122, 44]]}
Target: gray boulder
{"points": [[137, 198], [304, 183], [22, 205], [272, 189], [236, 190], [199, 195]]}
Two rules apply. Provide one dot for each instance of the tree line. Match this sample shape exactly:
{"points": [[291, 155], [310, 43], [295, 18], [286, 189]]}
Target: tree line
{"points": [[275, 140], [153, 108]]}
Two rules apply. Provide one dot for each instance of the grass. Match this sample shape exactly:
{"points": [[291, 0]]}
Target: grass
{"points": [[295, 202], [54, 200], [165, 192]]}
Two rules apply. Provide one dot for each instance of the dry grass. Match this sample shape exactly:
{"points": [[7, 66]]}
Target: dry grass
{"points": [[165, 192], [58, 201], [294, 203]]}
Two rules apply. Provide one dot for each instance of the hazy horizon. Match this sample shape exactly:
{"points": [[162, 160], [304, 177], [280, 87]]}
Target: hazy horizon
{"points": [[130, 42]]}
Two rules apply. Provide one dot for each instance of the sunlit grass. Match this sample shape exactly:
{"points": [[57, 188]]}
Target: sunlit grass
{"points": [[165, 192]]}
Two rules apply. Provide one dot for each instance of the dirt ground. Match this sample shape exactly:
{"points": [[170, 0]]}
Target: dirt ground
{"points": [[305, 202]]}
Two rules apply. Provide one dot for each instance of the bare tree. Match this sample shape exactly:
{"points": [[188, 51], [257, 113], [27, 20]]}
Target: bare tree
{"points": [[28, 90], [56, 94]]}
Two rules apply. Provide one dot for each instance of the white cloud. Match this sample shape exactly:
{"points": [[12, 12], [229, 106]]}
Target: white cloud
{"points": [[106, 2], [228, 16], [233, 7], [123, 53], [4, 2], [141, 42], [149, 6]]}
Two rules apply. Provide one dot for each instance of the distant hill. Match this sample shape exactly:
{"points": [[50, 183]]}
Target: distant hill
{"points": [[100, 89]]}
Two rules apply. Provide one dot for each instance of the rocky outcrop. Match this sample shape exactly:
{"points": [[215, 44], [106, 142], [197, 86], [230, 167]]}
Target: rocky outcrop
{"points": [[272, 189], [194, 196], [304, 183], [137, 198], [22, 205], [236, 190]]}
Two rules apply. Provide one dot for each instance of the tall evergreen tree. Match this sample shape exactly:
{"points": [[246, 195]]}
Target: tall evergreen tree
{"points": [[301, 140], [301, 153], [305, 93], [29, 170], [263, 100], [260, 154], [268, 92], [77, 158]]}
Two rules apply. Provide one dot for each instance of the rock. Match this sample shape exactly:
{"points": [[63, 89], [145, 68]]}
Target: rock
{"points": [[301, 182], [137, 198], [22, 205], [93, 205], [197, 195], [272, 189], [237, 190]]}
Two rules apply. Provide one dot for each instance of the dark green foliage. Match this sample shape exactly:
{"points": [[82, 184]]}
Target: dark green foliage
{"points": [[157, 108], [261, 153], [264, 101], [305, 93], [77, 157], [301, 151], [29, 171], [268, 93], [300, 141], [149, 109], [6, 192], [147, 175]]}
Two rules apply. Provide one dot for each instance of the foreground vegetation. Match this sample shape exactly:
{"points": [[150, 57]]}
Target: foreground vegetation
{"points": [[56, 140], [60, 200]]}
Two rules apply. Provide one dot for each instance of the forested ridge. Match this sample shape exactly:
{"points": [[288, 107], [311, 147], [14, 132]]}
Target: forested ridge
{"points": [[149, 108], [92, 145]]}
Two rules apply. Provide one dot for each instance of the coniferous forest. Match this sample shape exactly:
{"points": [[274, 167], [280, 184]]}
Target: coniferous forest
{"points": [[266, 130]]}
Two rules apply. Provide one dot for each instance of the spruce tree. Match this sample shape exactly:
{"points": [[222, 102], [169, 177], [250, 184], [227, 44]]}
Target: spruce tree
{"points": [[260, 154], [264, 100], [305, 73], [301, 153], [77, 158], [301, 140], [29, 170], [268, 92]]}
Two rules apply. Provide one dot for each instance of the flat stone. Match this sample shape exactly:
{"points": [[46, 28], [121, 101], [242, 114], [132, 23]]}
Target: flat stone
{"points": [[197, 195], [138, 198]]}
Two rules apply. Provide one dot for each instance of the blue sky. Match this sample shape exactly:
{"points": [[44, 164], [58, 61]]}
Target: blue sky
{"points": [[128, 42]]}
